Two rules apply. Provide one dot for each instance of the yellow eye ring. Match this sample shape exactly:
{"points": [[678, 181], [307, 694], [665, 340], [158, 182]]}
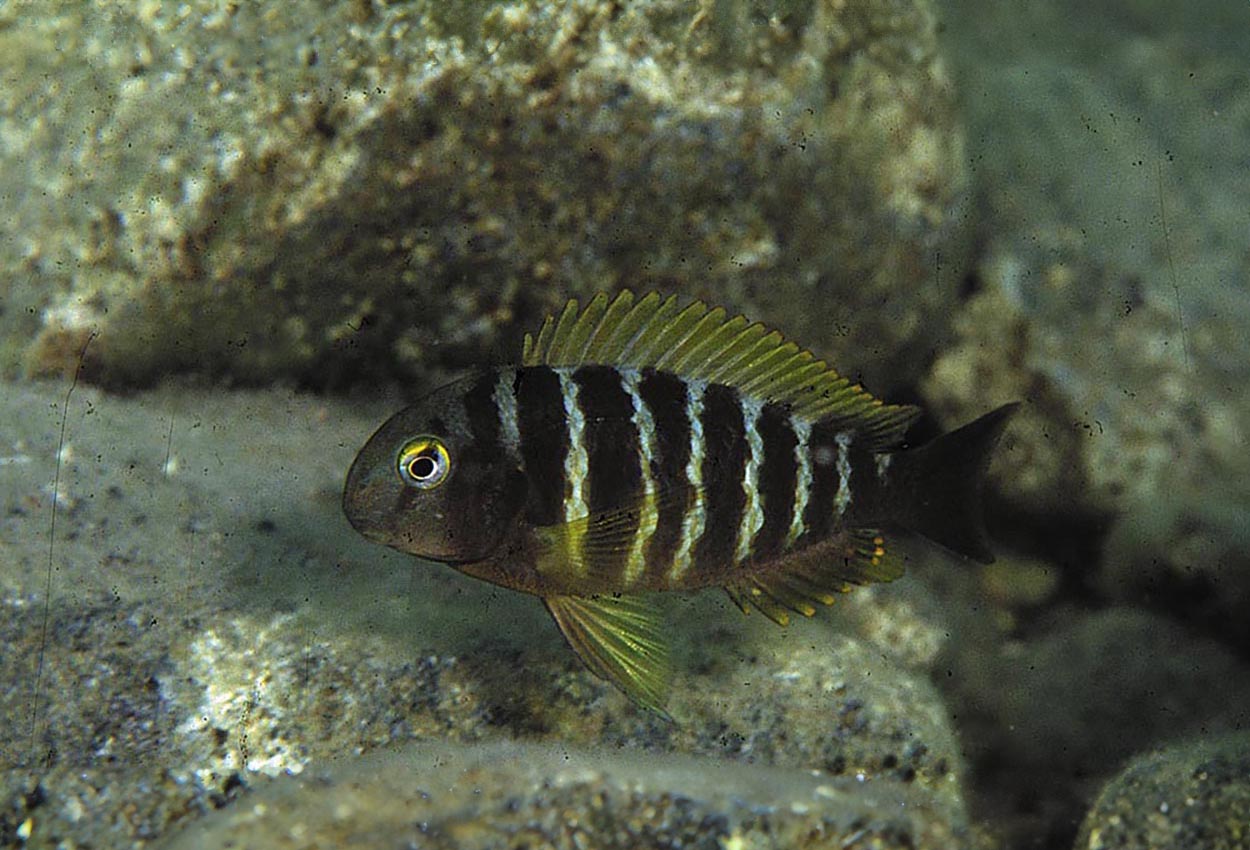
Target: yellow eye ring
{"points": [[423, 463]]}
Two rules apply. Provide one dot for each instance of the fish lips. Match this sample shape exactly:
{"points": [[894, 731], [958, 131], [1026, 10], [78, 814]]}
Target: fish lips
{"points": [[368, 499]]}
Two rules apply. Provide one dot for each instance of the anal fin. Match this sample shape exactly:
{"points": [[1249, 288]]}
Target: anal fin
{"points": [[816, 575], [619, 638]]}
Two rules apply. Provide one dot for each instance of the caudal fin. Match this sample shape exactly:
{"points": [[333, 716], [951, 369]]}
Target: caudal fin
{"points": [[937, 487]]}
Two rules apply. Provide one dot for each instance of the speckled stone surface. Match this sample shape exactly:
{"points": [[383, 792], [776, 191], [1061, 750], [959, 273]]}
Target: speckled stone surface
{"points": [[1048, 719], [212, 623], [1192, 795], [330, 191], [516, 795], [337, 194]]}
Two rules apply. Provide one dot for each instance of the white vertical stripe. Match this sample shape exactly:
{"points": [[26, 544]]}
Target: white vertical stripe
{"points": [[576, 464], [505, 403], [753, 510], [803, 478], [843, 499], [636, 565], [883, 465], [696, 513]]}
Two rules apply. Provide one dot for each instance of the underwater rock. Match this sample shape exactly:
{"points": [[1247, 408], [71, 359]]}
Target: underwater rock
{"points": [[1187, 550], [214, 624], [1192, 795], [805, 698], [354, 190], [1046, 721], [510, 794], [1109, 291]]}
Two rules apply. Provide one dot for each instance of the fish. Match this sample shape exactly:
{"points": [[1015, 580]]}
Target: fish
{"points": [[644, 445]]}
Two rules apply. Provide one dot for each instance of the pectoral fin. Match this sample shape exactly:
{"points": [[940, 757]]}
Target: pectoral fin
{"points": [[618, 637], [605, 551]]}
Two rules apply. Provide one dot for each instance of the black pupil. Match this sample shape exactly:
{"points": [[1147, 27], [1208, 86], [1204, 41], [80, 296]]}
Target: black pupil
{"points": [[422, 467]]}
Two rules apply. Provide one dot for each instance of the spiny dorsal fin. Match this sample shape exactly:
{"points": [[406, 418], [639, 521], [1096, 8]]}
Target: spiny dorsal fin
{"points": [[698, 342], [620, 638], [817, 575]]}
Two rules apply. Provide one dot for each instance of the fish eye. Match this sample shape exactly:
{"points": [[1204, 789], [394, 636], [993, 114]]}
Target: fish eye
{"points": [[424, 463]]}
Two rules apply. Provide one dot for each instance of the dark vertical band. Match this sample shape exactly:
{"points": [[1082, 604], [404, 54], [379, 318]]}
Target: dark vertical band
{"points": [[665, 396], [611, 438], [723, 466], [776, 480], [483, 417], [823, 454], [544, 441]]}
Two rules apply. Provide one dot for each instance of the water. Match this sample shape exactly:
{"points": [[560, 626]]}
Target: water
{"points": [[237, 237]]}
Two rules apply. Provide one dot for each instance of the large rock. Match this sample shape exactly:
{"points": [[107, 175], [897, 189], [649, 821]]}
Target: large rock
{"points": [[332, 191], [213, 623], [1047, 720], [508, 794], [1192, 795], [1111, 292]]}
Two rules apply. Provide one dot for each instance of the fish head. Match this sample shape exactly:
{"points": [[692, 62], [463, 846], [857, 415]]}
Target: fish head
{"points": [[423, 485]]}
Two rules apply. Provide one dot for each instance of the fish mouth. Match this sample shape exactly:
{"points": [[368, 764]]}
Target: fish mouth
{"points": [[360, 518], [360, 501]]}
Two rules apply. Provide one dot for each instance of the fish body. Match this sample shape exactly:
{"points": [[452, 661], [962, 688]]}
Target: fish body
{"points": [[643, 447]]}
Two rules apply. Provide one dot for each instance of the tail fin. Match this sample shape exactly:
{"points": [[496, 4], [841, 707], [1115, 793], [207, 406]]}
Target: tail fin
{"points": [[937, 487]]}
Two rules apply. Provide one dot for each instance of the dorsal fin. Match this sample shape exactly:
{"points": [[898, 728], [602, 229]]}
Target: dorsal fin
{"points": [[698, 342]]}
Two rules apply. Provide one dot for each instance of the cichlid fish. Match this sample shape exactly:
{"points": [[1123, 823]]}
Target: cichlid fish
{"points": [[643, 446]]}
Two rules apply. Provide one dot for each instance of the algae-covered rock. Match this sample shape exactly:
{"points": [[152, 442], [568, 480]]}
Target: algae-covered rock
{"points": [[1046, 721], [330, 191], [517, 795], [1110, 264], [212, 623], [1192, 795], [1111, 286]]}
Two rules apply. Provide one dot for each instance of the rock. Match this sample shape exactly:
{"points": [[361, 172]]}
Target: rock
{"points": [[1186, 550], [1190, 795], [806, 698], [1106, 293], [1048, 720], [509, 794], [333, 193], [213, 624]]}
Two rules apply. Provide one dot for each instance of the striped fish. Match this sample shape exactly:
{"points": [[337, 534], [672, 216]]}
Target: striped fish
{"points": [[645, 446]]}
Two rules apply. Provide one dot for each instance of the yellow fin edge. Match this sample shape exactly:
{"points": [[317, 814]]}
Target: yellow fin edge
{"points": [[619, 638], [816, 577], [697, 342]]}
